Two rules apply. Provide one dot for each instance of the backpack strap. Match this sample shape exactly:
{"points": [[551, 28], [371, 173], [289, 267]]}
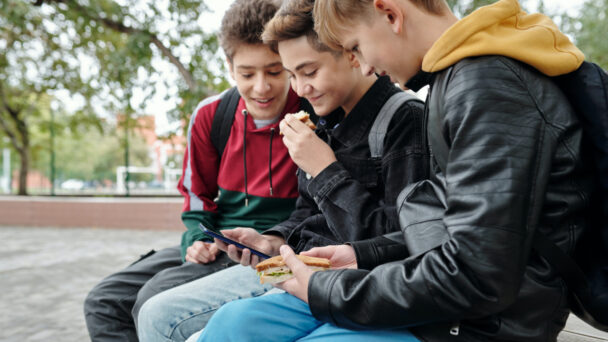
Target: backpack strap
{"points": [[223, 119], [378, 131]]}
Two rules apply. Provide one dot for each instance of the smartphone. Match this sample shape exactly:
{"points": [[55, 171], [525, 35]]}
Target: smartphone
{"points": [[219, 236]]}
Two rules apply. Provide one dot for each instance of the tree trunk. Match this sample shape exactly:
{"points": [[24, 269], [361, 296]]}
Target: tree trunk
{"points": [[23, 171]]}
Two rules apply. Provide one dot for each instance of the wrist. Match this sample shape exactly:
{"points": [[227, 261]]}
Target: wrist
{"points": [[322, 167]]}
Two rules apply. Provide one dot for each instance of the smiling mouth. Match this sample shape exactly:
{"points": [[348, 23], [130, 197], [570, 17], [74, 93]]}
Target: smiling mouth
{"points": [[315, 98], [263, 100]]}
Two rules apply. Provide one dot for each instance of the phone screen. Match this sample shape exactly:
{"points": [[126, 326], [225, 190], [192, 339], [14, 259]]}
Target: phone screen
{"points": [[221, 237]]}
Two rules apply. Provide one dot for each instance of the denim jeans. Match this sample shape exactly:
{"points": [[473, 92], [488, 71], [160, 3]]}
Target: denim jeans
{"points": [[112, 306], [175, 314], [283, 317]]}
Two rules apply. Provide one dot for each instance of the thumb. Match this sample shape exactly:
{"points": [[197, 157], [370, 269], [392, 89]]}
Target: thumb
{"points": [[290, 259]]}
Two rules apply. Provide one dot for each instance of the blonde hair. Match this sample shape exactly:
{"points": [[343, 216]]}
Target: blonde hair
{"points": [[334, 16], [293, 20]]}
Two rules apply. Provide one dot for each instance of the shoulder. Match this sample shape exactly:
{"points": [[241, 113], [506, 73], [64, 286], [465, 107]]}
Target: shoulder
{"points": [[205, 111], [488, 73], [411, 110]]}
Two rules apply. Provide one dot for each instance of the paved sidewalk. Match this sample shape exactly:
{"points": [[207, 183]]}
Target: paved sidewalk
{"points": [[45, 274]]}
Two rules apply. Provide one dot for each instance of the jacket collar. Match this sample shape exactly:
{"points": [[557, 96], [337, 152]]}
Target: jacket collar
{"points": [[355, 126], [419, 80]]}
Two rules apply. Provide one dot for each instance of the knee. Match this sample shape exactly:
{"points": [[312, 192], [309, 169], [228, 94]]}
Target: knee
{"points": [[151, 312], [143, 296], [228, 311], [95, 298]]}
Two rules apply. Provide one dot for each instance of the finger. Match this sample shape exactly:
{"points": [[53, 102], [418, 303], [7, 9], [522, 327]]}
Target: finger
{"points": [[321, 252], [296, 124], [221, 245], [246, 257], [232, 233], [284, 126], [203, 255], [254, 260], [191, 259], [291, 260], [213, 249], [233, 253]]}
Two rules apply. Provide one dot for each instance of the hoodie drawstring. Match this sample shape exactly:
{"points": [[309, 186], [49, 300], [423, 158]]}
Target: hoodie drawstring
{"points": [[270, 160], [245, 156]]}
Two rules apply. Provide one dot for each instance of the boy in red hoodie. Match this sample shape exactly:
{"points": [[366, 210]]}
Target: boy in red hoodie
{"points": [[252, 184]]}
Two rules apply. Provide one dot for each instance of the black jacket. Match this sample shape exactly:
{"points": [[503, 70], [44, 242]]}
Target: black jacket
{"points": [[514, 166], [354, 198]]}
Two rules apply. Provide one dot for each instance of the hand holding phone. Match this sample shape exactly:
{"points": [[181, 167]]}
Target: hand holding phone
{"points": [[221, 237]]}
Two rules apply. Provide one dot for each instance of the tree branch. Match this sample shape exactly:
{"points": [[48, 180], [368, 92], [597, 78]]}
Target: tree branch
{"points": [[120, 27], [3, 122]]}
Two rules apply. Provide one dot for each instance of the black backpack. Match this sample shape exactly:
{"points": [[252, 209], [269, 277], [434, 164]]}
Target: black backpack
{"points": [[586, 274], [224, 117]]}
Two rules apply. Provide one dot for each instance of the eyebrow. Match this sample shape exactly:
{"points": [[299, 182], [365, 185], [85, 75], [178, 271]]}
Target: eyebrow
{"points": [[271, 65], [302, 65]]}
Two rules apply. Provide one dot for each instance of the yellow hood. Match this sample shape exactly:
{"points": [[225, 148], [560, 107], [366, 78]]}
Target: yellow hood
{"points": [[504, 29]]}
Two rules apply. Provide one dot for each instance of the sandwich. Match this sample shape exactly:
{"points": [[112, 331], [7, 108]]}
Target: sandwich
{"points": [[274, 270], [304, 117]]}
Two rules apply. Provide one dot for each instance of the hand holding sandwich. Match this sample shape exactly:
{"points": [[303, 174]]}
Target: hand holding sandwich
{"points": [[298, 284], [338, 256], [306, 149]]}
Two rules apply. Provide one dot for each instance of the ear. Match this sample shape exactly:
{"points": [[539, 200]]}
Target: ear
{"points": [[392, 13], [230, 68], [352, 59]]}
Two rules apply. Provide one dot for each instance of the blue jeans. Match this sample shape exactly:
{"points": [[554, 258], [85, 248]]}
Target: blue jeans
{"points": [[175, 314], [283, 317]]}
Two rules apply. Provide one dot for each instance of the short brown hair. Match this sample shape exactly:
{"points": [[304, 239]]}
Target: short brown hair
{"points": [[334, 16], [293, 20], [244, 22]]}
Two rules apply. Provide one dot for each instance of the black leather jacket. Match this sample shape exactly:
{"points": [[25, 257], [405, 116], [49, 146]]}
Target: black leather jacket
{"points": [[354, 198], [514, 166]]}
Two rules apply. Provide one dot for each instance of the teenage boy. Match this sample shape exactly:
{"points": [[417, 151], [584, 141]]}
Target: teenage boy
{"points": [[255, 178], [345, 194], [512, 167]]}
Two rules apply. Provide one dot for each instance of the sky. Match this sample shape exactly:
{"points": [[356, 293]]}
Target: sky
{"points": [[211, 21]]}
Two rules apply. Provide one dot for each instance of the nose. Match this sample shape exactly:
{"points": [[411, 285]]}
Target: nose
{"points": [[366, 69], [301, 87], [261, 85]]}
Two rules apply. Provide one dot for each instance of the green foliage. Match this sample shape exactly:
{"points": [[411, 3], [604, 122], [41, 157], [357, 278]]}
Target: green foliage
{"points": [[589, 30], [96, 54], [463, 8], [88, 153]]}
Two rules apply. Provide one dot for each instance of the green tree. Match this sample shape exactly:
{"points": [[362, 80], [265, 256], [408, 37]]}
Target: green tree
{"points": [[589, 30], [98, 54], [90, 153], [462, 8]]}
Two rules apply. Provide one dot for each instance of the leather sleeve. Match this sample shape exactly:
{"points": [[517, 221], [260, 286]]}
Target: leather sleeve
{"points": [[379, 250], [499, 154]]}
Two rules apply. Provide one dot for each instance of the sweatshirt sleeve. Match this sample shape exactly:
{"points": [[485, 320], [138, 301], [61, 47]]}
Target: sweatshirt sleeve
{"points": [[494, 191], [198, 183]]}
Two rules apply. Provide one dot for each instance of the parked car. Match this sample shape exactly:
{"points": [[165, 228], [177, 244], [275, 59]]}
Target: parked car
{"points": [[73, 184]]}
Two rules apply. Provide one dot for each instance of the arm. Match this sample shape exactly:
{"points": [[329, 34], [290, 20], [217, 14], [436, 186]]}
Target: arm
{"points": [[198, 183], [305, 209], [352, 211], [494, 192]]}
